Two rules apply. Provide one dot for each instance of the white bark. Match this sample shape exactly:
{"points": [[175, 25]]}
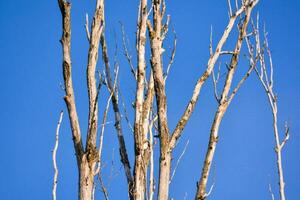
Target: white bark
{"points": [[54, 156]]}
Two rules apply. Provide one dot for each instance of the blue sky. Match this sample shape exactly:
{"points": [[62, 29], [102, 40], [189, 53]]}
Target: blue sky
{"points": [[31, 99]]}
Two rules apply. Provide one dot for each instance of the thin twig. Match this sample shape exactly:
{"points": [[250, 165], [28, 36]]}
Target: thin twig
{"points": [[172, 55], [179, 159], [125, 112], [98, 170], [229, 7], [103, 124], [54, 156], [151, 178], [215, 83], [121, 140], [87, 27], [103, 188], [210, 190], [271, 192], [126, 51]]}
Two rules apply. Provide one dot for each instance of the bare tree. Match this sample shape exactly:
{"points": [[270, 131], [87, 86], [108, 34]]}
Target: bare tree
{"points": [[150, 83], [265, 73], [225, 99]]}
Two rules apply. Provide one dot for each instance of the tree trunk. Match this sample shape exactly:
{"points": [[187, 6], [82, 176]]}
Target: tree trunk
{"points": [[86, 180], [164, 175]]}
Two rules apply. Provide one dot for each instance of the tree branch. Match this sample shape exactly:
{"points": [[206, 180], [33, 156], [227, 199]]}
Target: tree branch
{"points": [[115, 103], [201, 193], [268, 87], [65, 8], [210, 65], [96, 31], [54, 156]]}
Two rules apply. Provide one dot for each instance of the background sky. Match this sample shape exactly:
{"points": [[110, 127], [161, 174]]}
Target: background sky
{"points": [[31, 99]]}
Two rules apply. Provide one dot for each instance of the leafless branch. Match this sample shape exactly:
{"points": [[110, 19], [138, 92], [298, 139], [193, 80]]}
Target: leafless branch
{"points": [[247, 74], [150, 10], [93, 91], [215, 83], [271, 192], [210, 190], [115, 104], [102, 133], [211, 42], [87, 27], [179, 159], [172, 55], [287, 135], [140, 134], [151, 178], [54, 156], [103, 188], [156, 36], [229, 7], [226, 53], [126, 51], [211, 63], [236, 5], [98, 170], [223, 104], [125, 112], [272, 98], [165, 27], [65, 8]]}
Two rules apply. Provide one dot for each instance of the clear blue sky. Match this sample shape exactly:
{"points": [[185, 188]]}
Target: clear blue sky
{"points": [[31, 99]]}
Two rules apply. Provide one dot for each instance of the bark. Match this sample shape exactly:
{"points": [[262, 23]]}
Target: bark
{"points": [[86, 179]]}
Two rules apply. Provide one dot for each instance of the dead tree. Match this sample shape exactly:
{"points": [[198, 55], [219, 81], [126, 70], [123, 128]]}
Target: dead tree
{"points": [[150, 86]]}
